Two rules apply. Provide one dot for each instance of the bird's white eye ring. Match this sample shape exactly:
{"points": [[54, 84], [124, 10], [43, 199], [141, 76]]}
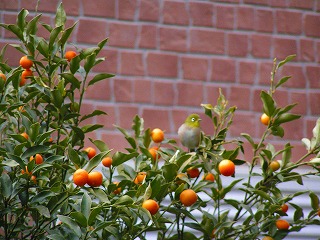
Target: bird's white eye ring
{"points": [[193, 119]]}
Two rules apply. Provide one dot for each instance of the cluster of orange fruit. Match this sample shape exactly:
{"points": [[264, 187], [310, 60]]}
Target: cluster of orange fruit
{"points": [[26, 63]]}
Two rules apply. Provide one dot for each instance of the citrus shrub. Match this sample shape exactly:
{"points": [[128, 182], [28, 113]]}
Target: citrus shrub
{"points": [[88, 192]]}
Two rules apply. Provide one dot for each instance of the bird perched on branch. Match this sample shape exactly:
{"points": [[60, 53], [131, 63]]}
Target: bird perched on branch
{"points": [[190, 133]]}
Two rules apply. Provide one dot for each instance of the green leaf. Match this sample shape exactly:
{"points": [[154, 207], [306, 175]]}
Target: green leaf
{"points": [[100, 194], [93, 215], [268, 103], [86, 205], [147, 194], [207, 109], [61, 17], [94, 162], [314, 200], [43, 47], [119, 157], [73, 226], [282, 81], [32, 25], [137, 126], [91, 127], [170, 171], [44, 211], [79, 218], [53, 36], [21, 20], [277, 131], [101, 44], [100, 77], [34, 150], [286, 117], [124, 200], [249, 139], [286, 155], [5, 185], [66, 34], [94, 113], [69, 77], [101, 145], [287, 59], [90, 61], [74, 156]]}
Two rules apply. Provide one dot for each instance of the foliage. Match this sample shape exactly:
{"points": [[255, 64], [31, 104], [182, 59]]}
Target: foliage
{"points": [[48, 108]]}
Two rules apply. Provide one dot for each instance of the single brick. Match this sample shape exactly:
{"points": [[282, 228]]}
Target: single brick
{"points": [[148, 36], [123, 34], [132, 63], [149, 10], [195, 68], [190, 94], [207, 41], [247, 72], [163, 93], [123, 90], [90, 30], [289, 22], [99, 8], [201, 13], [245, 17], [156, 118], [225, 17], [173, 39], [284, 47], [264, 20], [142, 91], [261, 45], [127, 9], [313, 76], [307, 49], [170, 10], [237, 45], [223, 70], [162, 65], [311, 25]]}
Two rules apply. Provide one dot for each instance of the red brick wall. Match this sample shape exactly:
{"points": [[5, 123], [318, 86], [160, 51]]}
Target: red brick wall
{"points": [[171, 56]]}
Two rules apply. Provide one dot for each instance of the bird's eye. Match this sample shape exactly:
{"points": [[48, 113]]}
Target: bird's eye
{"points": [[193, 119]]}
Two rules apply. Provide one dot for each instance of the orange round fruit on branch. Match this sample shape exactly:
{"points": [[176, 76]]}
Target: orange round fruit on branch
{"points": [[284, 208], [226, 167], [107, 162], [69, 55], [38, 158], [157, 135], [25, 62], [188, 197], [95, 179], [33, 179], [25, 135], [209, 177], [140, 177], [193, 172], [3, 76], [282, 224], [26, 73], [151, 205], [118, 190], [80, 177], [91, 152], [274, 165], [154, 153], [265, 119], [267, 238]]}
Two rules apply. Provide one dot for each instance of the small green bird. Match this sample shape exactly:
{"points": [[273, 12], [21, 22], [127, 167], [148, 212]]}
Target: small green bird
{"points": [[189, 132]]}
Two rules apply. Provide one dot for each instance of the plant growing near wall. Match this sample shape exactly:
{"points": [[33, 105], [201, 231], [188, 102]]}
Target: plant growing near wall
{"points": [[51, 185]]}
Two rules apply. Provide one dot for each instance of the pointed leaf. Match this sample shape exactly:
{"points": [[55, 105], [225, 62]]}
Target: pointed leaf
{"points": [[5, 185], [282, 81], [268, 103], [287, 59], [73, 226], [100, 77], [61, 17], [314, 201]]}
